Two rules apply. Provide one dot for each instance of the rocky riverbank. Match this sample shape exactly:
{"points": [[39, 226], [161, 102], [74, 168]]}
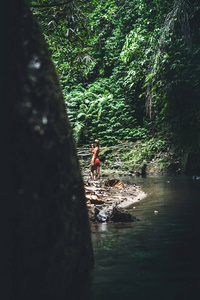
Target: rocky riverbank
{"points": [[108, 199], [134, 159], [141, 158]]}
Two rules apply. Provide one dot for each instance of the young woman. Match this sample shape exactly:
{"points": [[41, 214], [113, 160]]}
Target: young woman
{"points": [[95, 163]]}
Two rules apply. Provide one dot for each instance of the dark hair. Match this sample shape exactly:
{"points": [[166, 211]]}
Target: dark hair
{"points": [[96, 142]]}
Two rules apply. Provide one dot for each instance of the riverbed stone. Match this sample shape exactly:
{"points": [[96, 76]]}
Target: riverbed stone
{"points": [[121, 215]]}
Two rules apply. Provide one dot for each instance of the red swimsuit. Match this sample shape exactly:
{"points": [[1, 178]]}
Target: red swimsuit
{"points": [[97, 161]]}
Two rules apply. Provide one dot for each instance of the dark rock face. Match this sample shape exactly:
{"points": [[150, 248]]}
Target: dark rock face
{"points": [[120, 215], [45, 234], [192, 164]]}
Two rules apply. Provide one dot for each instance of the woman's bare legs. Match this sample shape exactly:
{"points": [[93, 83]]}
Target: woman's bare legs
{"points": [[98, 171], [92, 168], [92, 175]]}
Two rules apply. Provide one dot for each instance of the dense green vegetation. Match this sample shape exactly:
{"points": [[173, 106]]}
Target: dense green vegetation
{"points": [[129, 69], [142, 157]]}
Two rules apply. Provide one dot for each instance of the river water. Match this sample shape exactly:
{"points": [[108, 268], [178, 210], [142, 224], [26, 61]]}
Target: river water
{"points": [[158, 257]]}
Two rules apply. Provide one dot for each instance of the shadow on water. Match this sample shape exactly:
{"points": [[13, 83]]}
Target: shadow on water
{"points": [[157, 257]]}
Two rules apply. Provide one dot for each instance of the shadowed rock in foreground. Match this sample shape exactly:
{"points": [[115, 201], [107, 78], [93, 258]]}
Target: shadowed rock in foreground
{"points": [[46, 243]]}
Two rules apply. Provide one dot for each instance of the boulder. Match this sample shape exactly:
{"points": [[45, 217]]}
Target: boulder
{"points": [[116, 215], [121, 215], [103, 216]]}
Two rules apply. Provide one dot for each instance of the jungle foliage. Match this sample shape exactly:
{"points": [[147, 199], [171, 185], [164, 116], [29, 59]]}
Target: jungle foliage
{"points": [[129, 69]]}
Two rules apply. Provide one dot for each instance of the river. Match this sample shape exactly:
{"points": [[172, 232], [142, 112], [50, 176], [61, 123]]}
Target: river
{"points": [[158, 257]]}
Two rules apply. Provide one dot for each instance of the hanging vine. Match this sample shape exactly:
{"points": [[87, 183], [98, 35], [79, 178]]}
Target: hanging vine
{"points": [[180, 12]]}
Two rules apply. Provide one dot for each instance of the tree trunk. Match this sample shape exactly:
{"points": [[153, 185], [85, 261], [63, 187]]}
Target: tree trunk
{"points": [[46, 242]]}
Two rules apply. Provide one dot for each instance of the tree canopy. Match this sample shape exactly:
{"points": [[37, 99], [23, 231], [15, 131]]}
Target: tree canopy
{"points": [[128, 69]]}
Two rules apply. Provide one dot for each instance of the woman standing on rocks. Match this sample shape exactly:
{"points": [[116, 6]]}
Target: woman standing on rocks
{"points": [[95, 163]]}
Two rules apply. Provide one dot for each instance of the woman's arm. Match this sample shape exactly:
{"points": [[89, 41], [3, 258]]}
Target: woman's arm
{"points": [[91, 149]]}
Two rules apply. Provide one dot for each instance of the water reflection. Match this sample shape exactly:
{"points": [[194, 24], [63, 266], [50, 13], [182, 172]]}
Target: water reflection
{"points": [[157, 257]]}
